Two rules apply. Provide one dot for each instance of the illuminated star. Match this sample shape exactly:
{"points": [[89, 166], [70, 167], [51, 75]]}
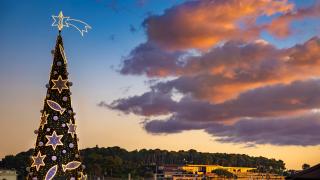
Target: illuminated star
{"points": [[82, 177], [43, 119], [72, 128], [59, 21], [54, 140], [60, 84], [38, 161]]}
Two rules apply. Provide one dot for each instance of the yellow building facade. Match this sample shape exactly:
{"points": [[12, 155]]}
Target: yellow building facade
{"points": [[200, 169]]}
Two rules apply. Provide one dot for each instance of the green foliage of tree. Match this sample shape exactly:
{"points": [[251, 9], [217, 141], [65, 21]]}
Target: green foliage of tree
{"points": [[224, 173], [305, 166], [118, 162]]}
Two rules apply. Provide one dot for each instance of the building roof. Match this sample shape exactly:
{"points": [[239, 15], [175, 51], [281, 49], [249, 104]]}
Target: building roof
{"points": [[7, 172], [310, 173], [206, 165]]}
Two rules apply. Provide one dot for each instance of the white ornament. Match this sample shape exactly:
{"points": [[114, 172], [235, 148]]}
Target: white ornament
{"points": [[54, 158]]}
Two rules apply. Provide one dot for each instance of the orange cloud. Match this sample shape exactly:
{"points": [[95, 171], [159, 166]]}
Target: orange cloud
{"points": [[202, 24], [224, 72], [280, 27]]}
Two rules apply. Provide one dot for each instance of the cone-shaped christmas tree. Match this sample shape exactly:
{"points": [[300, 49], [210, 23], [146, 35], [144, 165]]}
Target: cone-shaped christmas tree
{"points": [[56, 154]]}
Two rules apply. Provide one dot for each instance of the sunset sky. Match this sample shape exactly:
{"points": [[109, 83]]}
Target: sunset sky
{"points": [[234, 76]]}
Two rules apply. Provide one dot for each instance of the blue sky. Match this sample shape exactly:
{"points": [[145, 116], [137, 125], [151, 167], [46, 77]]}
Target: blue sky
{"points": [[27, 38]]}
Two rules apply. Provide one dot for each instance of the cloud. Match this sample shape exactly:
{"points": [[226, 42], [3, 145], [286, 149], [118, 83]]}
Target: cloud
{"points": [[233, 85], [171, 126], [148, 104], [261, 102], [132, 28], [202, 24], [148, 58], [227, 70], [230, 121], [280, 27], [300, 130]]}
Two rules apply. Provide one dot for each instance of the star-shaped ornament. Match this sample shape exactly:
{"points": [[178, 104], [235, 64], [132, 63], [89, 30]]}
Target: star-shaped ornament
{"points": [[72, 128], [54, 140], [38, 161], [59, 21], [82, 177], [60, 84], [43, 119]]}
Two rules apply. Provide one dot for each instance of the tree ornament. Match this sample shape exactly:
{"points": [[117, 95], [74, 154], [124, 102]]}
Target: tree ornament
{"points": [[60, 84], [51, 172], [62, 21], [83, 177], [54, 140], [71, 166], [71, 128], [38, 161], [55, 118], [63, 54], [55, 106], [44, 119], [54, 158]]}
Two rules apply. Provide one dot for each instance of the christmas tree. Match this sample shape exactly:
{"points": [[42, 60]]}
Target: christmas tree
{"points": [[56, 154]]}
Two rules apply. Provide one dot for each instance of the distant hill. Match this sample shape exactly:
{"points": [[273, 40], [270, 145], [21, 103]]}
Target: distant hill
{"points": [[118, 162]]}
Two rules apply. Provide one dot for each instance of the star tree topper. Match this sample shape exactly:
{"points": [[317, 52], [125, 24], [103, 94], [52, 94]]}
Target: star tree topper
{"points": [[62, 21]]}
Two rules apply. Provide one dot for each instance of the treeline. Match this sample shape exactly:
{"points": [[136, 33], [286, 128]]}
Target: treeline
{"points": [[118, 162]]}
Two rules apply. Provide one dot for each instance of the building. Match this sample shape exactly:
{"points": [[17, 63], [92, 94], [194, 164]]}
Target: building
{"points": [[199, 172], [203, 169], [8, 174]]}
